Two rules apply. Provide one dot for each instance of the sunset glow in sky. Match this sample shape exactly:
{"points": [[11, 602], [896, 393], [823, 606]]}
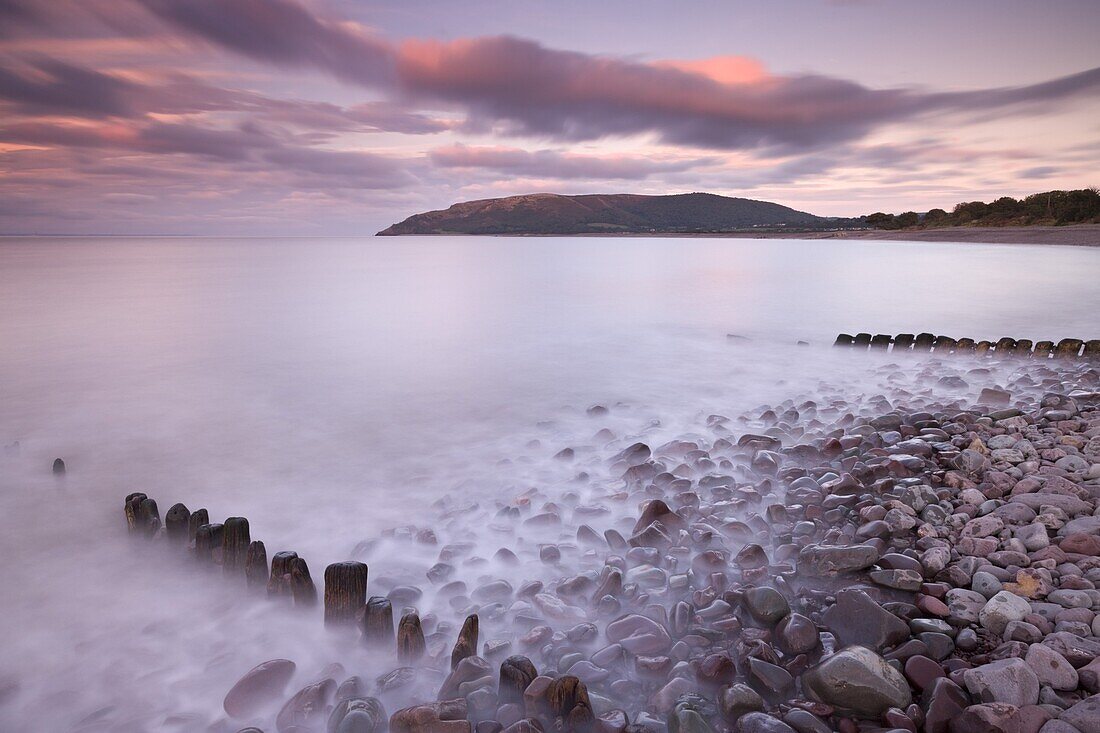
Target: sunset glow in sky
{"points": [[343, 116]]}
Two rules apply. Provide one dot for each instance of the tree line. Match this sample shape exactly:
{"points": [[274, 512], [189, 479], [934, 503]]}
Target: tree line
{"points": [[1049, 208]]}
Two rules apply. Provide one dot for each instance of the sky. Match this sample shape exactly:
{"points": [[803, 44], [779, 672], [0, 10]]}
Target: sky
{"points": [[340, 117]]}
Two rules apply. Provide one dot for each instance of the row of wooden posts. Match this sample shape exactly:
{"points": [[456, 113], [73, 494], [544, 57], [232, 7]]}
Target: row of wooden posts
{"points": [[345, 596], [923, 343]]}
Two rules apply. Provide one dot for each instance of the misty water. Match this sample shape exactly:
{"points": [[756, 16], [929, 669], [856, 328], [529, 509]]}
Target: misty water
{"points": [[334, 390]]}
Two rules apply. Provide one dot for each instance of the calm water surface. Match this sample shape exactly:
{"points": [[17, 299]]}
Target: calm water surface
{"points": [[328, 389]]}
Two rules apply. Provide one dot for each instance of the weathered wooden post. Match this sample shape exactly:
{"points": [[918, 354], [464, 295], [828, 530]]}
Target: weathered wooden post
{"points": [[208, 542], [843, 339], [1043, 350], [235, 542], [410, 639], [965, 346], [345, 592], [279, 583], [148, 517], [862, 340], [943, 345], [982, 348], [881, 341], [1068, 348], [903, 341], [198, 518], [255, 565], [177, 524], [302, 589], [1023, 348], [130, 508], [466, 646], [1005, 346], [58, 467], [1092, 349], [923, 342], [377, 622], [516, 675]]}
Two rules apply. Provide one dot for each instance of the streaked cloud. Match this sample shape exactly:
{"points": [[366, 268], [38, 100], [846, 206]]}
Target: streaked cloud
{"points": [[252, 105], [558, 165]]}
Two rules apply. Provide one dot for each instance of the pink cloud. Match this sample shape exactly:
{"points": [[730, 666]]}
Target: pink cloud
{"points": [[729, 70], [529, 89]]}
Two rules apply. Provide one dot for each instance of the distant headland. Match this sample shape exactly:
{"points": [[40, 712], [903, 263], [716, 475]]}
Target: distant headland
{"points": [[1061, 217]]}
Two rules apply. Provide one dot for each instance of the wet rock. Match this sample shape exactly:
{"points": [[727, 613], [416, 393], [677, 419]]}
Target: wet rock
{"points": [[797, 634], [686, 717], [307, 708], [716, 669], [357, 715], [766, 605], [737, 700], [857, 619], [468, 675], [638, 634], [259, 687], [659, 511], [441, 717], [988, 718], [943, 703], [1009, 681], [772, 679], [859, 680], [922, 672], [396, 679], [828, 561], [898, 579], [762, 723], [804, 721], [613, 721], [751, 557]]}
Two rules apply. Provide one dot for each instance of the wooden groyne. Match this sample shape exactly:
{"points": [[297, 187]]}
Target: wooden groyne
{"points": [[287, 579], [927, 343]]}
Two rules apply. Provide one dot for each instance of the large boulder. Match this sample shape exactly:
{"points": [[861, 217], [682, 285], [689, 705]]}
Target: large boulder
{"points": [[858, 680]]}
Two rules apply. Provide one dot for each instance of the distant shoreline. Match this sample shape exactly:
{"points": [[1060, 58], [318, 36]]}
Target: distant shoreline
{"points": [[1072, 235]]}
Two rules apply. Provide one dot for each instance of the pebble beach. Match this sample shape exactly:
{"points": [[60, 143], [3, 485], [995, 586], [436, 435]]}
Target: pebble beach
{"points": [[920, 557]]}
